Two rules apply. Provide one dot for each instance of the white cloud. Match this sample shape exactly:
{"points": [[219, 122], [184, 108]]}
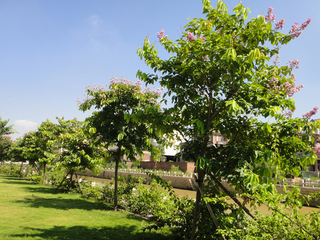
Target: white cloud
{"points": [[22, 127]]}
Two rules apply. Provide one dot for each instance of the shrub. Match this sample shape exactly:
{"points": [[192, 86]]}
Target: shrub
{"points": [[55, 176], [90, 191], [175, 169], [112, 164], [134, 166], [34, 177], [12, 169]]}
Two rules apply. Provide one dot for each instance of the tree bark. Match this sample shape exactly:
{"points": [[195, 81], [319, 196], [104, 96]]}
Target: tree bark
{"points": [[61, 182], [44, 173], [79, 185], [70, 181], [115, 203], [21, 169], [196, 217], [231, 196]]}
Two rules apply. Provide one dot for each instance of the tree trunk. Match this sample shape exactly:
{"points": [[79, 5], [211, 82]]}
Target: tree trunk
{"points": [[231, 196], [20, 173], [70, 181], [44, 173], [115, 203], [79, 185], [61, 182], [196, 217]]}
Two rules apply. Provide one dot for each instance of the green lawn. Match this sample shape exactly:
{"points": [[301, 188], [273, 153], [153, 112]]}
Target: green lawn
{"points": [[32, 211]]}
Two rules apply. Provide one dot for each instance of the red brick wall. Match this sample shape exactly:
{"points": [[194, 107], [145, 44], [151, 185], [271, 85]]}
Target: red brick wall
{"points": [[166, 166]]}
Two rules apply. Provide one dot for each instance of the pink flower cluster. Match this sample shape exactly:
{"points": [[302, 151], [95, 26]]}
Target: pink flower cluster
{"points": [[309, 114], [158, 91], [190, 37], [289, 112], [288, 88], [293, 64], [203, 38], [276, 61], [317, 148], [161, 34], [279, 25], [270, 17], [136, 87], [205, 58], [297, 30]]}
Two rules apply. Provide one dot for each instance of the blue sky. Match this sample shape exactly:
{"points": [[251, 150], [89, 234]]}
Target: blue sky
{"points": [[50, 50]]}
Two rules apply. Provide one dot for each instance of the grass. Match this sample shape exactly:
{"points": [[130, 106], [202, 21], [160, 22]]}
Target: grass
{"points": [[32, 211]]}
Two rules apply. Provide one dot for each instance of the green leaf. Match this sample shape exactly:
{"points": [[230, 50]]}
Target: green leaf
{"points": [[120, 136], [92, 130]]}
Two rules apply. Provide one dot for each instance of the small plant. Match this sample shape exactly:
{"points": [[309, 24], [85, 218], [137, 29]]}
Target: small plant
{"points": [[12, 170], [175, 169], [134, 166], [90, 191], [35, 177]]}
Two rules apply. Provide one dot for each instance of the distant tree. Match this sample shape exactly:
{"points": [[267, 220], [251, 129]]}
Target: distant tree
{"points": [[121, 119], [5, 148], [43, 143], [79, 151], [5, 141], [5, 129]]}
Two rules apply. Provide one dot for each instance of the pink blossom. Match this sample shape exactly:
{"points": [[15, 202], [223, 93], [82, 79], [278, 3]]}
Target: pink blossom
{"points": [[203, 38], [309, 114], [297, 30], [160, 35], [190, 37], [279, 25], [270, 17], [317, 148], [294, 64]]}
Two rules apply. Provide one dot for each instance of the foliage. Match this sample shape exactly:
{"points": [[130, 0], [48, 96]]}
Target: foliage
{"points": [[175, 169], [116, 123], [90, 191], [38, 147], [35, 177], [5, 148], [55, 175], [5, 129], [285, 222], [126, 186], [220, 77], [11, 169], [79, 151], [112, 165], [5, 141]]}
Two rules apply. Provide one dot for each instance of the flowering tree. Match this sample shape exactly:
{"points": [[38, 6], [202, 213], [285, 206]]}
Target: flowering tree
{"points": [[121, 122], [220, 78]]}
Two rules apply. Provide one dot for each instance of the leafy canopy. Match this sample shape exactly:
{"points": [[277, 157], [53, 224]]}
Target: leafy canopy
{"points": [[115, 122], [220, 77]]}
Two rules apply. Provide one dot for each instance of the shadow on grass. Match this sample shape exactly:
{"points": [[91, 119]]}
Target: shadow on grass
{"points": [[83, 232], [15, 180], [63, 203], [43, 189]]}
